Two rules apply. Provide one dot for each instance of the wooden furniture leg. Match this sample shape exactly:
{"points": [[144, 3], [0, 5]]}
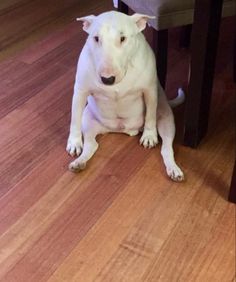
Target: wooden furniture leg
{"points": [[207, 16], [185, 36], [234, 54], [123, 8], [160, 47], [232, 191]]}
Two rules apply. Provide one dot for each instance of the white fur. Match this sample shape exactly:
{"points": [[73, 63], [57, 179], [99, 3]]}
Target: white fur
{"points": [[116, 47], [178, 100]]}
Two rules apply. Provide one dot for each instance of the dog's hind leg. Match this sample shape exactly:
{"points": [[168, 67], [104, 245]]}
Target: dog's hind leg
{"points": [[166, 129], [90, 128]]}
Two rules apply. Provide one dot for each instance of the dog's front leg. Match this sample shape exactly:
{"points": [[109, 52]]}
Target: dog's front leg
{"points": [[75, 142], [149, 137]]}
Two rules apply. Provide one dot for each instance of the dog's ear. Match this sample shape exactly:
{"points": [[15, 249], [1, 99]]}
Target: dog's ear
{"points": [[141, 20], [87, 21]]}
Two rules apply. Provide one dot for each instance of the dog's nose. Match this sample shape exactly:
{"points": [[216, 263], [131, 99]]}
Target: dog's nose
{"points": [[108, 80]]}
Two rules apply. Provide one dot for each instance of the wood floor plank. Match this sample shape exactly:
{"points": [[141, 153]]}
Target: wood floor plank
{"points": [[18, 72], [15, 203], [38, 108], [19, 214], [21, 40], [97, 248], [9, 68], [197, 228], [21, 147], [135, 253], [82, 211], [68, 49], [52, 41], [6, 6], [138, 248], [11, 100], [37, 13], [200, 221]]}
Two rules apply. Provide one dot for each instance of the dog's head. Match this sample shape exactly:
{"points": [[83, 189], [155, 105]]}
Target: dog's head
{"points": [[112, 40]]}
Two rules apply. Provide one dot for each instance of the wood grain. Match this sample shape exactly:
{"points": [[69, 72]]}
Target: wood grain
{"points": [[28, 21], [121, 219]]}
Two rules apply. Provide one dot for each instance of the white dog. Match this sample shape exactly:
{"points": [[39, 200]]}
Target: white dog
{"points": [[116, 90]]}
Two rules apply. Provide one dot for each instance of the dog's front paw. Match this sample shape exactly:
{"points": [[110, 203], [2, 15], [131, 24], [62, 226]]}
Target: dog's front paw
{"points": [[74, 145], [77, 166], [175, 173], [149, 138]]}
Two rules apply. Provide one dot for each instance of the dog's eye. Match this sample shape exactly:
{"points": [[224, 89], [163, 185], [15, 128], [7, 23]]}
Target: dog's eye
{"points": [[96, 38], [122, 39]]}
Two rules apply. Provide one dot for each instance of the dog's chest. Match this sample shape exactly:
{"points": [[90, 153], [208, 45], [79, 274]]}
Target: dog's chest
{"points": [[119, 103], [116, 107]]}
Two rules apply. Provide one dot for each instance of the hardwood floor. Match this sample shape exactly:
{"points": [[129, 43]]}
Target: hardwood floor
{"points": [[121, 219]]}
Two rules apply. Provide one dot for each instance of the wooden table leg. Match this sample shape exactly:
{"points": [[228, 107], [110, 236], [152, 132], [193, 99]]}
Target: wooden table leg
{"points": [[207, 17], [234, 54], [160, 48], [123, 8], [232, 191], [185, 36]]}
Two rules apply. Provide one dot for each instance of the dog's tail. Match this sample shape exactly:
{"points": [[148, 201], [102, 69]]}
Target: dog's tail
{"points": [[178, 100]]}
